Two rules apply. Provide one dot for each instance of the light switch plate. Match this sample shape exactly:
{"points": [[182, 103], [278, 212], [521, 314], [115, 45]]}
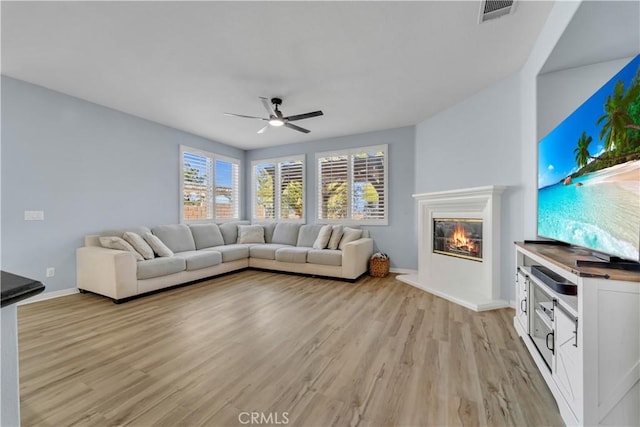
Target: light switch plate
{"points": [[34, 215]]}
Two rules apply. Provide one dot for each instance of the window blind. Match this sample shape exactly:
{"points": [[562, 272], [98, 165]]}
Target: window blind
{"points": [[227, 200], [265, 177], [210, 186], [352, 185], [368, 190], [197, 192], [333, 177], [291, 190], [278, 186]]}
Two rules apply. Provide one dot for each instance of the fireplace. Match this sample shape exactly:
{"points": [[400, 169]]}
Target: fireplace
{"points": [[458, 237], [455, 226]]}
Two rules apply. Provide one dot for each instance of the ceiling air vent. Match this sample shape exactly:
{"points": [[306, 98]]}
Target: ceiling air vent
{"points": [[492, 9]]}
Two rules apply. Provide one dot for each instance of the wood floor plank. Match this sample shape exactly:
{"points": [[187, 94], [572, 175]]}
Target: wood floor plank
{"points": [[377, 352]]}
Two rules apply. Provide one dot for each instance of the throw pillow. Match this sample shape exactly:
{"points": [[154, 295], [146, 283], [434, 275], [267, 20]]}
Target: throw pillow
{"points": [[113, 242], [323, 237], [349, 235], [156, 244], [139, 244], [250, 234], [336, 235]]}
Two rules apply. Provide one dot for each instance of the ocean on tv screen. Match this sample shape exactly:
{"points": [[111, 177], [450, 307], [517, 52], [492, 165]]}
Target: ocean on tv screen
{"points": [[602, 214], [589, 171]]}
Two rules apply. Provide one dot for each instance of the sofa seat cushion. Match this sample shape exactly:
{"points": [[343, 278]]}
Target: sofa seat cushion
{"points": [[200, 259], [231, 252], [157, 267], [177, 237], [294, 254], [267, 251], [325, 257]]}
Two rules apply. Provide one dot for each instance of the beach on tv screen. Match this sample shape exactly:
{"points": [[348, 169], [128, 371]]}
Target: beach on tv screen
{"points": [[589, 171]]}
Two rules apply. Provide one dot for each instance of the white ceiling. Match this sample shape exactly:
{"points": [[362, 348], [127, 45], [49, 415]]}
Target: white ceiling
{"points": [[367, 65]]}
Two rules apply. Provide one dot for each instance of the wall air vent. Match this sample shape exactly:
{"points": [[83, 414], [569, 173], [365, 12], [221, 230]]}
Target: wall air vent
{"points": [[492, 9]]}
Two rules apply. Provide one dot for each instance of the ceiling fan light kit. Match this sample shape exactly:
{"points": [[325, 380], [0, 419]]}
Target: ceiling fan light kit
{"points": [[276, 118]]}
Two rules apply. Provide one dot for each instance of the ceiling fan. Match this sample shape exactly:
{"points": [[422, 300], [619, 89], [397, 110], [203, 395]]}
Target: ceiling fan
{"points": [[276, 118]]}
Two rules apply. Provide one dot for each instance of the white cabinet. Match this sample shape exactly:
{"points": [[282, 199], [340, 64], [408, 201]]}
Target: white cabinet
{"points": [[586, 346], [522, 287], [568, 360]]}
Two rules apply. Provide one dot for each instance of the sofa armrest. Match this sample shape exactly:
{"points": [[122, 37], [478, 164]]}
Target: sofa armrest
{"points": [[355, 257], [106, 272]]}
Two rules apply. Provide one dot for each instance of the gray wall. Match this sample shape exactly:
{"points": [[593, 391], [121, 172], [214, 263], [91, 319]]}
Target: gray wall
{"points": [[89, 168], [476, 143], [398, 238]]}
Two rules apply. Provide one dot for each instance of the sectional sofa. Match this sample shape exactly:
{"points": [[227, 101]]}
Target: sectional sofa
{"points": [[205, 250]]}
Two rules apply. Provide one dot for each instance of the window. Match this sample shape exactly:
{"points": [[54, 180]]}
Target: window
{"points": [[210, 186], [352, 185], [278, 189]]}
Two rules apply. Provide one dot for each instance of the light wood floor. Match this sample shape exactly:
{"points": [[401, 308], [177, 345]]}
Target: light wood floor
{"points": [[377, 352]]}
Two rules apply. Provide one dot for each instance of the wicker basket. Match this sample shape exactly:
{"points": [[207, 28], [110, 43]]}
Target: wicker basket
{"points": [[378, 267]]}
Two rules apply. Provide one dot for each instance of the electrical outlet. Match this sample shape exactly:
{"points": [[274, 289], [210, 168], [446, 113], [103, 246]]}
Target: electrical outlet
{"points": [[51, 271]]}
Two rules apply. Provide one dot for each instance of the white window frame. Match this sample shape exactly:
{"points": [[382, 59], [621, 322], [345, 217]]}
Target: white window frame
{"points": [[350, 153], [276, 184], [237, 192]]}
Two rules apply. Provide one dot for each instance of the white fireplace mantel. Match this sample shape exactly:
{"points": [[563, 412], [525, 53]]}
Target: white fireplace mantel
{"points": [[472, 284]]}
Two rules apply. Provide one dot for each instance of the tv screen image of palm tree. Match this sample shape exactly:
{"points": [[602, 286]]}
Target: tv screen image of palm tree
{"points": [[589, 171]]}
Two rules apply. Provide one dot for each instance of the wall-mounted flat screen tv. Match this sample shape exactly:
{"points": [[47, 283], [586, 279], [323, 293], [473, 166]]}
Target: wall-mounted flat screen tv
{"points": [[589, 171]]}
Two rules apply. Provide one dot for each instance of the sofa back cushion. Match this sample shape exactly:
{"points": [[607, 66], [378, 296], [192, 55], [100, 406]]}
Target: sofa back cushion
{"points": [[286, 233], [119, 232], [229, 231], [308, 235], [269, 228], [206, 235], [177, 237]]}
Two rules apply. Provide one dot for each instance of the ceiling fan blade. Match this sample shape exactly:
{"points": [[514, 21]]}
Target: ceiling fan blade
{"points": [[263, 129], [304, 116], [268, 106], [246, 117], [298, 128]]}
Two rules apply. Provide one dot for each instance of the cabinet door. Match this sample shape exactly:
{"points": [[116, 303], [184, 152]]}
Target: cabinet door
{"points": [[522, 303], [567, 373]]}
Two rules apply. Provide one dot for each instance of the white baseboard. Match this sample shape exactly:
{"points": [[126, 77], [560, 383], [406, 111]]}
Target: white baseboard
{"points": [[403, 271], [49, 295]]}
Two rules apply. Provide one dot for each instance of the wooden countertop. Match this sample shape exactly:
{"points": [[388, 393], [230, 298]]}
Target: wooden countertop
{"points": [[565, 257]]}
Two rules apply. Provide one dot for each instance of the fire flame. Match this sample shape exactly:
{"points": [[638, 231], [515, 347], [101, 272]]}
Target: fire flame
{"points": [[460, 240]]}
